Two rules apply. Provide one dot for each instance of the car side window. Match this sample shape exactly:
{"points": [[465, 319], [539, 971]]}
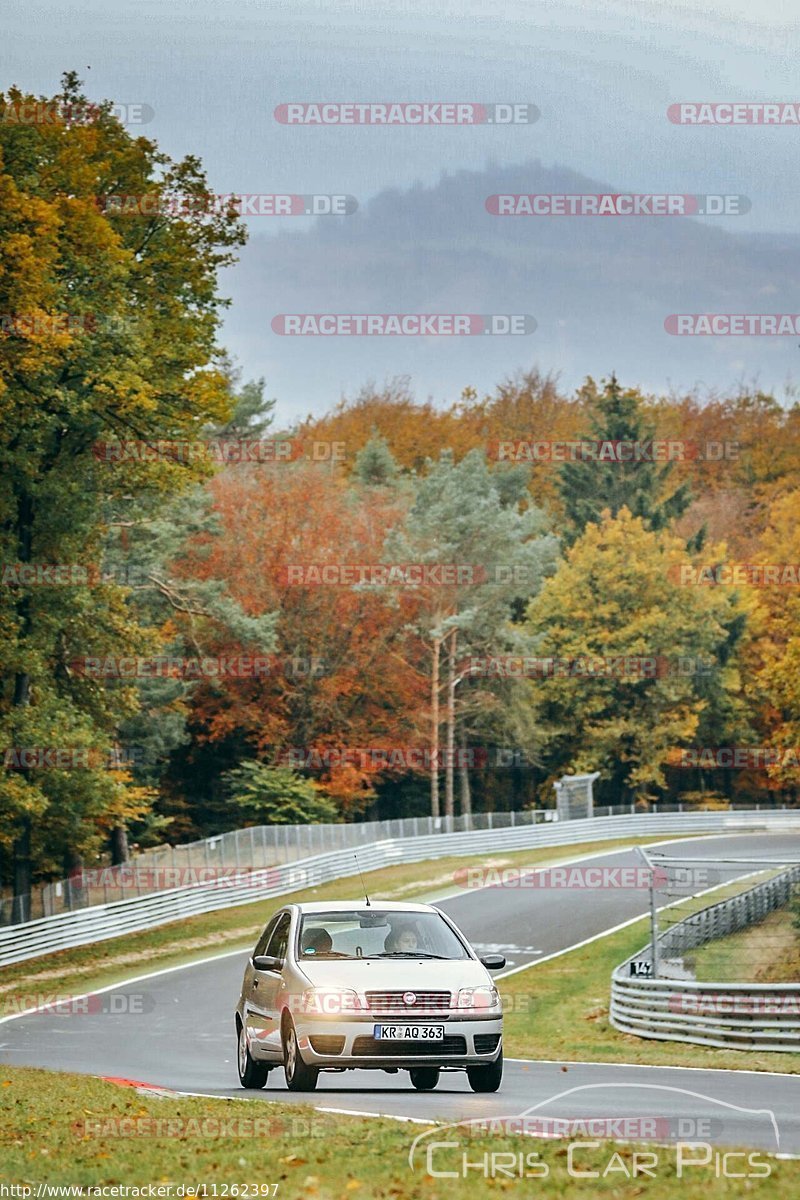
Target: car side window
{"points": [[279, 940], [261, 944]]}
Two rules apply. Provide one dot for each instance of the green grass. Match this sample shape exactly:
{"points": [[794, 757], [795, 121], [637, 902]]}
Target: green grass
{"points": [[72, 972], [768, 952], [61, 1129], [559, 1010]]}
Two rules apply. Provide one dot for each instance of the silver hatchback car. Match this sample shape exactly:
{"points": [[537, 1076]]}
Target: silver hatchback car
{"points": [[381, 986]]}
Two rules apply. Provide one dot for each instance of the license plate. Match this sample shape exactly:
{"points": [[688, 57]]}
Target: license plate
{"points": [[401, 1033]]}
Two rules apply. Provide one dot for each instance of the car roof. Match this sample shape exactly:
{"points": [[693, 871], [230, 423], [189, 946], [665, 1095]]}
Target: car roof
{"points": [[320, 906]]}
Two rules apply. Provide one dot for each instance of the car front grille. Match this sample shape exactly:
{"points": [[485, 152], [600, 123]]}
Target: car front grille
{"points": [[393, 1002], [486, 1043], [370, 1047], [326, 1043]]}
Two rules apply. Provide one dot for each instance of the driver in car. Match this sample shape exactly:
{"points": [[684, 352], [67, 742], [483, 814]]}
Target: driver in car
{"points": [[317, 941], [402, 939]]}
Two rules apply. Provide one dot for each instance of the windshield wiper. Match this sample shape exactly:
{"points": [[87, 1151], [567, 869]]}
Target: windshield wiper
{"points": [[408, 954]]}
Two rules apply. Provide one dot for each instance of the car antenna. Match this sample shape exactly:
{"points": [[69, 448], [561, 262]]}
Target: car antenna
{"points": [[358, 864]]}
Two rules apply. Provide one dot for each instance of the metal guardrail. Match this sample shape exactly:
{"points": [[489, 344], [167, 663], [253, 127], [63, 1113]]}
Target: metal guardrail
{"points": [[736, 1016], [165, 867], [68, 930]]}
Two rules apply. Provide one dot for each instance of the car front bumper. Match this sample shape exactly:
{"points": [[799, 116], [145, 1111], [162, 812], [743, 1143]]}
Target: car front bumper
{"points": [[351, 1042]]}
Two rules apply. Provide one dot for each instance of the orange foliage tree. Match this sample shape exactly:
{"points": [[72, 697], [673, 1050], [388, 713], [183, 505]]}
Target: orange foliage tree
{"points": [[336, 681]]}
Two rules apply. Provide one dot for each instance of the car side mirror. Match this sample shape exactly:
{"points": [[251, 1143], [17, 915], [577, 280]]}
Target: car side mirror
{"points": [[267, 962], [493, 962]]}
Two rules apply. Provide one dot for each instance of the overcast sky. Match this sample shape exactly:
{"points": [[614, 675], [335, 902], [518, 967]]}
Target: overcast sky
{"points": [[601, 73]]}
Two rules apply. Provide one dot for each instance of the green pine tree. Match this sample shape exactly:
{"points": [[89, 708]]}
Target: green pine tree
{"points": [[588, 487], [375, 465]]}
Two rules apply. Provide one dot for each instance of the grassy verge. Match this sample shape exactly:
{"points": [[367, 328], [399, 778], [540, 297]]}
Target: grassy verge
{"points": [[60, 1129], [104, 963], [768, 952], [559, 1010]]}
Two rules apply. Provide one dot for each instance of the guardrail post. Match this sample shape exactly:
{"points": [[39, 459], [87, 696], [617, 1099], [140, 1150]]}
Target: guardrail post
{"points": [[653, 927]]}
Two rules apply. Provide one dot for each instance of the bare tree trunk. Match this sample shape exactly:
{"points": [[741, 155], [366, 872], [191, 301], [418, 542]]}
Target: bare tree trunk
{"points": [[449, 798], [120, 853], [437, 647], [466, 793], [23, 880], [23, 867]]}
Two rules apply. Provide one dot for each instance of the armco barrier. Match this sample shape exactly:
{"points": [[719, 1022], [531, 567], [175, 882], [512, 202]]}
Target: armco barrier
{"points": [[66, 930], [242, 849], [736, 1016]]}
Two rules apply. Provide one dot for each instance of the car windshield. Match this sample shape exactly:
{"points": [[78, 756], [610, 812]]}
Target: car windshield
{"points": [[373, 933]]}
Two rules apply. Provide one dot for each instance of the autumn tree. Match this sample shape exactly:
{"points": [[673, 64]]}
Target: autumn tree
{"points": [[622, 635], [108, 334], [267, 795], [336, 678], [773, 681], [465, 516]]}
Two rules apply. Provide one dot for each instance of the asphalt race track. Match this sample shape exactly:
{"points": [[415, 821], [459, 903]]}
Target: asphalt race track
{"points": [[180, 1032]]}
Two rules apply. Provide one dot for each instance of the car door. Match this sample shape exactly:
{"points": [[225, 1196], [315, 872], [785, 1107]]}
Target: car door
{"points": [[252, 1009], [265, 1029]]}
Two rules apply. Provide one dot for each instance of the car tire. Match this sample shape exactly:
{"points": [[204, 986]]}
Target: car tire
{"points": [[488, 1078], [299, 1076], [252, 1074], [424, 1079]]}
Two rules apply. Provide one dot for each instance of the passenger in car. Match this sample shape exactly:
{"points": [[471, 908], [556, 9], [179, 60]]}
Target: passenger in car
{"points": [[317, 941]]}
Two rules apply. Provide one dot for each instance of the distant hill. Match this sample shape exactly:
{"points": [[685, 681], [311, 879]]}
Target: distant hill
{"points": [[598, 287]]}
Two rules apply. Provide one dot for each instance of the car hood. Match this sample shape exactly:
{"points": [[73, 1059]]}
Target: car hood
{"points": [[408, 974]]}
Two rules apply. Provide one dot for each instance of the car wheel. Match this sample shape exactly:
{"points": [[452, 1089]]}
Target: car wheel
{"points": [[251, 1074], [299, 1077], [424, 1079], [488, 1078]]}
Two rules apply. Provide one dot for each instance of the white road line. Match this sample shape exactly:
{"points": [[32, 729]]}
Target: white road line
{"points": [[197, 962], [614, 929], [585, 1062]]}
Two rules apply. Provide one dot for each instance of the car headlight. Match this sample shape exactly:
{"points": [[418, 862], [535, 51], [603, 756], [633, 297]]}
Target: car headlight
{"points": [[484, 996], [330, 1002]]}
